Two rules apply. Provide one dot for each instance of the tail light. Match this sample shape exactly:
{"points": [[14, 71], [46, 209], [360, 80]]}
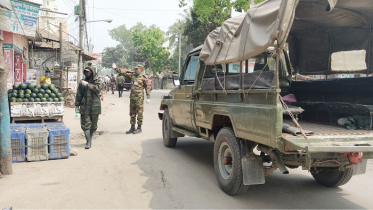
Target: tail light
{"points": [[353, 157]]}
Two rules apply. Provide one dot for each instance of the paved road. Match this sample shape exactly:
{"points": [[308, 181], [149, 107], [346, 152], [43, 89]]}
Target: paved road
{"points": [[137, 171]]}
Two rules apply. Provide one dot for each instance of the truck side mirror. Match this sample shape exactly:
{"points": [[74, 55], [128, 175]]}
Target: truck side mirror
{"points": [[176, 80]]}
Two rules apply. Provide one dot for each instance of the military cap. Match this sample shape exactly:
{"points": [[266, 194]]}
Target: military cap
{"points": [[88, 69], [139, 66]]}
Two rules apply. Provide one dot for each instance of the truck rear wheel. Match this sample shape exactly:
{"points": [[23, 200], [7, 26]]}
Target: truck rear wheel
{"points": [[332, 177], [167, 130], [227, 162]]}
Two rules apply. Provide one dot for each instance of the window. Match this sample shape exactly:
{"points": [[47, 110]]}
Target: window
{"points": [[190, 72]]}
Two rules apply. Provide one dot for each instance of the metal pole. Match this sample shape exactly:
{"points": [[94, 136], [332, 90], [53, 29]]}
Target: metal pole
{"points": [[5, 144], [81, 32], [179, 53], [251, 3], [61, 48]]}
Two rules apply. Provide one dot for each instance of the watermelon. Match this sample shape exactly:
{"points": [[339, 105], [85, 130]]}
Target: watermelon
{"points": [[21, 91], [31, 99], [42, 91], [46, 95], [48, 91], [37, 87], [51, 87], [52, 95], [61, 99], [59, 95], [50, 99], [13, 99], [37, 99], [15, 87], [55, 91], [14, 94], [40, 95], [30, 86], [44, 86], [27, 95], [33, 95], [19, 99], [25, 100], [23, 86], [43, 100], [21, 95], [35, 90], [56, 100], [14, 91], [28, 91]]}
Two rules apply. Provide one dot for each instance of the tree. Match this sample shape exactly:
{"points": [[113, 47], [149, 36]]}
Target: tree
{"points": [[150, 42], [112, 55]]}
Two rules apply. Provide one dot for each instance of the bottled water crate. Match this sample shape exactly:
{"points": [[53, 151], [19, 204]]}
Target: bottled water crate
{"points": [[17, 137], [37, 144], [59, 142]]}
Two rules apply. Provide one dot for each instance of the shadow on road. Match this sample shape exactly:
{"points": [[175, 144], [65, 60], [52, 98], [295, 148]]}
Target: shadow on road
{"points": [[183, 177]]}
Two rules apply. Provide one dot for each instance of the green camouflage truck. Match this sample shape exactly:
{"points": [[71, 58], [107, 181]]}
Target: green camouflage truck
{"points": [[240, 91]]}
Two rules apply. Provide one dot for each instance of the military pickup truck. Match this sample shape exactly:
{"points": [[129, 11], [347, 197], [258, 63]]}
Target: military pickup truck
{"points": [[238, 91]]}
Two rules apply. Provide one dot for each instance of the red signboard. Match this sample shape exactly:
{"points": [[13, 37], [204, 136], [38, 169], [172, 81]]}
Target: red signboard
{"points": [[18, 77], [8, 58]]}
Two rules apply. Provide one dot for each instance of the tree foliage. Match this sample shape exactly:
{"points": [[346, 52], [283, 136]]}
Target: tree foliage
{"points": [[150, 42], [112, 55]]}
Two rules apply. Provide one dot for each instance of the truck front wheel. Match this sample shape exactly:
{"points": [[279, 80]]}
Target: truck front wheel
{"points": [[332, 177], [167, 130], [227, 162]]}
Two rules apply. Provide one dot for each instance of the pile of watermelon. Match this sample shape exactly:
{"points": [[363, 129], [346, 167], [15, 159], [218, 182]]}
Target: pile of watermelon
{"points": [[34, 93]]}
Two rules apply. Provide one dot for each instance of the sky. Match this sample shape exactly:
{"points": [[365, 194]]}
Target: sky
{"points": [[162, 13]]}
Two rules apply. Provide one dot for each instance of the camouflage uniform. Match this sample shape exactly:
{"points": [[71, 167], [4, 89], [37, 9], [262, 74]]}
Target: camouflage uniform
{"points": [[120, 82], [88, 99], [139, 83], [113, 84]]}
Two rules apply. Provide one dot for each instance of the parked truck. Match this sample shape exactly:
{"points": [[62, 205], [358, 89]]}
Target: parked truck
{"points": [[239, 91]]}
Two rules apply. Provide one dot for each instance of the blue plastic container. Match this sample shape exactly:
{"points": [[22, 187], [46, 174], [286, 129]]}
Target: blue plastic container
{"points": [[54, 124], [59, 142], [35, 125], [15, 125], [17, 137]]}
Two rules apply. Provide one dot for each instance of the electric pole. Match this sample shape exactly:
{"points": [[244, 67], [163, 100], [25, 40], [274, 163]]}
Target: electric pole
{"points": [[179, 53], [61, 64], [81, 32]]}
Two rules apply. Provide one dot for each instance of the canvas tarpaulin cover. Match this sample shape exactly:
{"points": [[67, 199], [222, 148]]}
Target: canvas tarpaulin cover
{"points": [[314, 29]]}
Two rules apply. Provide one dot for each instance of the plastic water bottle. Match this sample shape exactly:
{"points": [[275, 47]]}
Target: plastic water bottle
{"points": [[77, 114]]}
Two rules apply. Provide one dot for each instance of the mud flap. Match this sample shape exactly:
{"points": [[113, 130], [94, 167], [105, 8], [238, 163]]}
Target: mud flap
{"points": [[360, 168], [252, 167]]}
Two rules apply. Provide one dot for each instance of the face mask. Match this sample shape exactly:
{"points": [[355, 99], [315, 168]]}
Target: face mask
{"points": [[48, 75], [137, 73]]}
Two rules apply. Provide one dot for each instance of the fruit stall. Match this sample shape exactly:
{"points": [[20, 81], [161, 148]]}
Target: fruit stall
{"points": [[35, 102], [32, 138]]}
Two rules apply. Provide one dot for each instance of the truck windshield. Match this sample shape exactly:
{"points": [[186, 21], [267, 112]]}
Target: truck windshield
{"points": [[191, 69]]}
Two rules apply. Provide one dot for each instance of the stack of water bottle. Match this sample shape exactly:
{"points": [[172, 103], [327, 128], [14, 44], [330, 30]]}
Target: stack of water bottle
{"points": [[39, 141]]}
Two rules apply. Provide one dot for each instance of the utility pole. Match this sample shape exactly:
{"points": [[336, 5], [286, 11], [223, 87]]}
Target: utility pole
{"points": [[251, 3], [61, 49], [81, 33], [180, 54]]}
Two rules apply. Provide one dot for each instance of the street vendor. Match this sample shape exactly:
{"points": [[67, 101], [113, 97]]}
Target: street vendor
{"points": [[46, 79]]}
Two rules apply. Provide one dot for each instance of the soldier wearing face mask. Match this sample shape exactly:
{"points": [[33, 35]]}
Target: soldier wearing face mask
{"points": [[47, 78]]}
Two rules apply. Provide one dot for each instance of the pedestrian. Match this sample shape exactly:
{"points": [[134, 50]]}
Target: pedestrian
{"points": [[120, 81], [138, 85], [46, 79], [88, 102], [113, 83]]}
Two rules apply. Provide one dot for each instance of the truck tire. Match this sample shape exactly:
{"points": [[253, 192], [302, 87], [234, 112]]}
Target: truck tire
{"points": [[167, 130], [333, 177], [229, 176]]}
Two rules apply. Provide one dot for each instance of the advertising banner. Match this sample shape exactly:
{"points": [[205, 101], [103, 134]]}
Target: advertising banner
{"points": [[22, 20], [18, 69], [32, 76], [72, 80], [8, 58]]}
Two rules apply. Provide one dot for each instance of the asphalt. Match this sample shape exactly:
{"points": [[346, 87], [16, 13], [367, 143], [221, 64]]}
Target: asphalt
{"points": [[137, 171]]}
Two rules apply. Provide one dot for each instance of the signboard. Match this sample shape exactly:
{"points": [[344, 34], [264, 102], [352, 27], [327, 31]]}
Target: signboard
{"points": [[72, 80], [18, 69], [36, 109], [22, 20], [8, 58], [32, 76]]}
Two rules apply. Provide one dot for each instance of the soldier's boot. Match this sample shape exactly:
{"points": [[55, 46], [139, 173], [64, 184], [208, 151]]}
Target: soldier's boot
{"points": [[92, 134], [131, 130], [138, 130], [88, 138]]}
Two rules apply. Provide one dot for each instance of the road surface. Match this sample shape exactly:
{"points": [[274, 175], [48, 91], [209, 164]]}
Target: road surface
{"points": [[137, 171]]}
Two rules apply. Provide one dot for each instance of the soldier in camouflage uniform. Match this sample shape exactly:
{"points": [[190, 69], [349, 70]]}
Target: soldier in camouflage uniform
{"points": [[88, 103], [120, 81], [139, 83]]}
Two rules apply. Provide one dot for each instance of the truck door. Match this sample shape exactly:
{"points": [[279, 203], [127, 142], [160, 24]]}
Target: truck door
{"points": [[181, 109]]}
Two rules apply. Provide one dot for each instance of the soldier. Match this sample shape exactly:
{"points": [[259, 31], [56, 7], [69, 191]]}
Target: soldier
{"points": [[89, 104], [139, 83], [120, 80], [113, 83]]}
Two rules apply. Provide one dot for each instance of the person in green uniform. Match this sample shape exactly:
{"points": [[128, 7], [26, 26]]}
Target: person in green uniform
{"points": [[139, 83], [120, 83], [89, 104]]}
